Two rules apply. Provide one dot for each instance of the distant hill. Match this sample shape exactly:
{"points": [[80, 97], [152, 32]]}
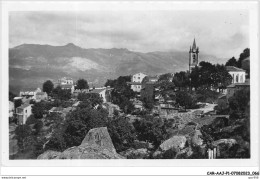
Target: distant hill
{"points": [[31, 64]]}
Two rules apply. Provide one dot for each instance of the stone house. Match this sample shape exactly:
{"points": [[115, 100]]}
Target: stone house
{"points": [[23, 112], [231, 89]]}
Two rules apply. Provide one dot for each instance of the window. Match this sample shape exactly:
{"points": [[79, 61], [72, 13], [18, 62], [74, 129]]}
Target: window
{"points": [[25, 111]]}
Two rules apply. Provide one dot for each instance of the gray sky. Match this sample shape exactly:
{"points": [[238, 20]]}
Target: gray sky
{"points": [[221, 33]]}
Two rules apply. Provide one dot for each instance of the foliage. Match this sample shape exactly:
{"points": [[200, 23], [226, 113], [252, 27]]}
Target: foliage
{"points": [[232, 62], [47, 86], [22, 132], [242, 56], [150, 129], [183, 98], [181, 80], [82, 84], [38, 109], [122, 133], [31, 120], [166, 77], [239, 101], [11, 96], [222, 107], [122, 93], [17, 103], [62, 94], [92, 99]]}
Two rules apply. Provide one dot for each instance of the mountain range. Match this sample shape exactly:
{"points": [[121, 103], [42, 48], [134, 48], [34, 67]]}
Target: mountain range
{"points": [[32, 64]]}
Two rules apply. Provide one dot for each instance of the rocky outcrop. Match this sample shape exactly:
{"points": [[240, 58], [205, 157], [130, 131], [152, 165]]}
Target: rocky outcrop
{"points": [[171, 147], [97, 144], [176, 142]]}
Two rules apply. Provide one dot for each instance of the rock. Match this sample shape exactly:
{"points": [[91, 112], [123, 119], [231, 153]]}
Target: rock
{"points": [[157, 154], [176, 142], [229, 142], [136, 153], [49, 154], [196, 140], [97, 144]]}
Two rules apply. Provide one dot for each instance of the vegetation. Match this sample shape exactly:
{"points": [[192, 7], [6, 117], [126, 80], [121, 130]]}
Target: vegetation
{"points": [[122, 133], [47, 86], [62, 94], [82, 84], [122, 93]]}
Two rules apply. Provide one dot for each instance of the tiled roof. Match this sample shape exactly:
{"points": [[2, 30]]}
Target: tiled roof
{"points": [[56, 109], [97, 90], [24, 106], [232, 68]]}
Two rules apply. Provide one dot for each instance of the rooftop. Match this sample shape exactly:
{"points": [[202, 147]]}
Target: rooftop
{"points": [[97, 90], [233, 68], [24, 106]]}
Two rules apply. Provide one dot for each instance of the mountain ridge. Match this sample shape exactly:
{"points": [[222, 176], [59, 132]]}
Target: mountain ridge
{"points": [[32, 64]]}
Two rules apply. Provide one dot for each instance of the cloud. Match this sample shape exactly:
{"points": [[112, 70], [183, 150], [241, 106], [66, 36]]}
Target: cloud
{"points": [[220, 33]]}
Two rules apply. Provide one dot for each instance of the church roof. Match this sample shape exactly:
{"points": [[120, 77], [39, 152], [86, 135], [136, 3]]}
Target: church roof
{"points": [[232, 68], [194, 44]]}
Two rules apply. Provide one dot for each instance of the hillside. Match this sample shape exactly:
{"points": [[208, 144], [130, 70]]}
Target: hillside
{"points": [[31, 64]]}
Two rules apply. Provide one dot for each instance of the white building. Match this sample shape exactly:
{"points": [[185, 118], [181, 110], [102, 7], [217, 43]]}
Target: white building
{"points": [[23, 112], [136, 83], [65, 81], [30, 94], [238, 74]]}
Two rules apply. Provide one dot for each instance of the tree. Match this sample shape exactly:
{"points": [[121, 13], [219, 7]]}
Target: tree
{"points": [[47, 86], [166, 77], [17, 103], [62, 94], [243, 55], [122, 133], [21, 133], [195, 77], [11, 96], [232, 62], [82, 84], [239, 101], [150, 129], [38, 109], [183, 98], [181, 80], [92, 99]]}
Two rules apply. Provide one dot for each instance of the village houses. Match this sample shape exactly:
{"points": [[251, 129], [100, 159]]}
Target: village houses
{"points": [[23, 112]]}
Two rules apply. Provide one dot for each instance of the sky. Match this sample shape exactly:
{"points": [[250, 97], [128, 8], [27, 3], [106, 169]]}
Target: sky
{"points": [[220, 33]]}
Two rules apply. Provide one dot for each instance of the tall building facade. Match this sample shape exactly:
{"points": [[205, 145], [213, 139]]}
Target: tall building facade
{"points": [[193, 56]]}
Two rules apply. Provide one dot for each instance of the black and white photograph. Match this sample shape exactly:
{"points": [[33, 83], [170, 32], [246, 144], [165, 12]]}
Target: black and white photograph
{"points": [[146, 83]]}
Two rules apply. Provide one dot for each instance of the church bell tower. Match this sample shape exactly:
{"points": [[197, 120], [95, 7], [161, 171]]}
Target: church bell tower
{"points": [[193, 56]]}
